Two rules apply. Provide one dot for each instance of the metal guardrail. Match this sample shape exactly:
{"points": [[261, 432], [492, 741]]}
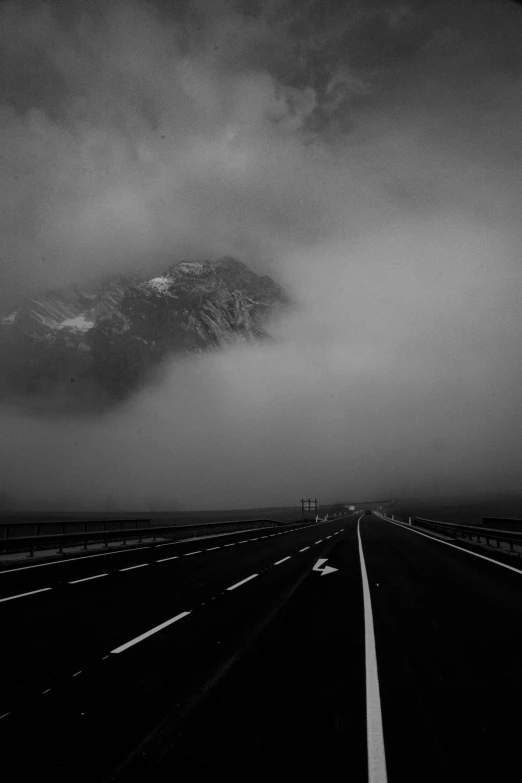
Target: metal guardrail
{"points": [[472, 532], [62, 527], [175, 532]]}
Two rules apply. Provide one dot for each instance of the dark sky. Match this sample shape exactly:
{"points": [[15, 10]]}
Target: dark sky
{"points": [[365, 154]]}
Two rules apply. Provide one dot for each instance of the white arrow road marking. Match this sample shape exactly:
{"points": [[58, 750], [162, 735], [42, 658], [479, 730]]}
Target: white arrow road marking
{"points": [[326, 569]]}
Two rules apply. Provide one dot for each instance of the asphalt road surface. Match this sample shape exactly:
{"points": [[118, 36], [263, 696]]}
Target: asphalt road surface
{"points": [[355, 647]]}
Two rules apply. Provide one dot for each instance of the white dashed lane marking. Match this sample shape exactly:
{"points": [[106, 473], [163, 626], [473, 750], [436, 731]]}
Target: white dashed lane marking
{"points": [[22, 595], [238, 584], [283, 560], [87, 578], [164, 559], [131, 568], [152, 631]]}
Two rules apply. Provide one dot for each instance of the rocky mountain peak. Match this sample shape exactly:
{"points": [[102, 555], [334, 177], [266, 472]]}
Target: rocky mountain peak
{"points": [[103, 342]]}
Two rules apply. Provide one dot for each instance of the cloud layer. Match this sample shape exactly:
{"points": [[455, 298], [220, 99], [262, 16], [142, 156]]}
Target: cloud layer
{"points": [[367, 157]]}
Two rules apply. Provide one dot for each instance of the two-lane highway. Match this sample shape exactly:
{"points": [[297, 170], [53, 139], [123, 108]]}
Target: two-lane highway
{"points": [[104, 649]]}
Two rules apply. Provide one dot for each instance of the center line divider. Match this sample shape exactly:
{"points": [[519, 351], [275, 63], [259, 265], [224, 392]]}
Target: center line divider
{"points": [[87, 578], [374, 733], [152, 631], [238, 584]]}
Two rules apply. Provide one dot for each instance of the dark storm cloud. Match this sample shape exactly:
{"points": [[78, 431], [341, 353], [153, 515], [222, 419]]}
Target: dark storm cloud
{"points": [[366, 154]]}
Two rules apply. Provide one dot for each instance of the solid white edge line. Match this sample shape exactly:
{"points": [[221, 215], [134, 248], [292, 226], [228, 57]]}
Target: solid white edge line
{"points": [[454, 546], [283, 560], [87, 578], [152, 631], [21, 595], [72, 559], [238, 584], [374, 732]]}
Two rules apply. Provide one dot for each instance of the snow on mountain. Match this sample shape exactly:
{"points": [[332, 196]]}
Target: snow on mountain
{"points": [[105, 341], [79, 323], [160, 284]]}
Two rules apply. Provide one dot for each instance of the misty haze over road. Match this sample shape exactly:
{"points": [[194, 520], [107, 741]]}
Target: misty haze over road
{"points": [[363, 155]]}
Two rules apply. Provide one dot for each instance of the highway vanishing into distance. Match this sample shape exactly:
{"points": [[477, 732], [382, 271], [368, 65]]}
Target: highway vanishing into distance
{"points": [[356, 648]]}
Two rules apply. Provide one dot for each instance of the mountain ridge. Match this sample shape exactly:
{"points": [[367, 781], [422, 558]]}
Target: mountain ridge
{"points": [[75, 346]]}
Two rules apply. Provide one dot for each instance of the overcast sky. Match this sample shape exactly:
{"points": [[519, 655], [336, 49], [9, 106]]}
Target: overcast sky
{"points": [[365, 154]]}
